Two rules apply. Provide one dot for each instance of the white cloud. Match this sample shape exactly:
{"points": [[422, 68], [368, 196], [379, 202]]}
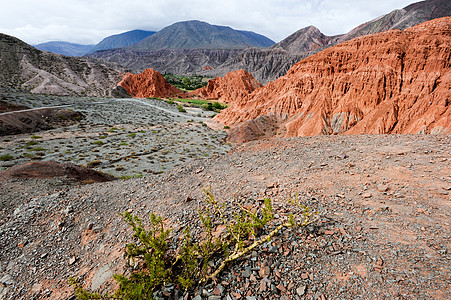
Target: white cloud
{"points": [[88, 21]]}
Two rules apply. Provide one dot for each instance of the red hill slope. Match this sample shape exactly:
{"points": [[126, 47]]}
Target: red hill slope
{"points": [[233, 85], [149, 83], [391, 82]]}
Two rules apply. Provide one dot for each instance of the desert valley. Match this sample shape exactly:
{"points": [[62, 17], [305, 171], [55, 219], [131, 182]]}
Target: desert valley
{"points": [[318, 167]]}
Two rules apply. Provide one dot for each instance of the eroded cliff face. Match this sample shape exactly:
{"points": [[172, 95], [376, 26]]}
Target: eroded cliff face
{"points": [[149, 83], [233, 85], [391, 82]]}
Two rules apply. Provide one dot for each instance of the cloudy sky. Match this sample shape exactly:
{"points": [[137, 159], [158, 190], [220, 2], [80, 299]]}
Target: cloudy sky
{"points": [[89, 21]]}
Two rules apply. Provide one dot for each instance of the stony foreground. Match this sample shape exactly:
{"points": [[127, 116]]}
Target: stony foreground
{"points": [[383, 232]]}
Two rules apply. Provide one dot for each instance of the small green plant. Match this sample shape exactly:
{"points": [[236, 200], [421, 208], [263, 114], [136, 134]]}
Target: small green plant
{"points": [[6, 157], [170, 102], [132, 135], [180, 108], [123, 144], [31, 143], [226, 127], [191, 265], [36, 149], [98, 143], [113, 129], [36, 137]]}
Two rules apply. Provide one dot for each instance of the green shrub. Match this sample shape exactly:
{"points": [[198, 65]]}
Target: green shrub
{"points": [[191, 265], [38, 149], [99, 143], [6, 157], [180, 108], [32, 143]]}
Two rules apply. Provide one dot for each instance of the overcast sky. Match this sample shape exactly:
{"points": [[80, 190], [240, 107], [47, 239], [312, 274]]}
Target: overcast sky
{"points": [[89, 21]]}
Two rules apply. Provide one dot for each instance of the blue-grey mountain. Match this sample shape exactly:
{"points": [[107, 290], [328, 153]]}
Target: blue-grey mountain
{"points": [[121, 40], [64, 48], [201, 35]]}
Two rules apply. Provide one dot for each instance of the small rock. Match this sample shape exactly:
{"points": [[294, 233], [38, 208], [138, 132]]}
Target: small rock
{"points": [[36, 287], [247, 273], [281, 288], [72, 260], [382, 187], [367, 195], [301, 290]]}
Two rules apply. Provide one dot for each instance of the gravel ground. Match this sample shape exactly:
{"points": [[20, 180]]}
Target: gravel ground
{"points": [[383, 231], [122, 137]]}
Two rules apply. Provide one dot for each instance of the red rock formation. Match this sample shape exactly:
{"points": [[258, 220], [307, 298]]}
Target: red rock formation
{"points": [[149, 83], [391, 82], [233, 85]]}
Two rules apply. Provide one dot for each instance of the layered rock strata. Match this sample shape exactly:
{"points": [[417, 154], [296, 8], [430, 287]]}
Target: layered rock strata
{"points": [[233, 85], [391, 82], [149, 83]]}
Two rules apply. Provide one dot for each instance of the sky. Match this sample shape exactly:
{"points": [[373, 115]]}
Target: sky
{"points": [[89, 21]]}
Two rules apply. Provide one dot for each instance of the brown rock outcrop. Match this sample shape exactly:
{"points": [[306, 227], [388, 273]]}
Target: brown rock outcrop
{"points": [[149, 83], [233, 85], [391, 82], [50, 169]]}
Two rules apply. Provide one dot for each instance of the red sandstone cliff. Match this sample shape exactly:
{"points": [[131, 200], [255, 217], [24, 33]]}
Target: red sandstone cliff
{"points": [[391, 82], [149, 83], [233, 85]]}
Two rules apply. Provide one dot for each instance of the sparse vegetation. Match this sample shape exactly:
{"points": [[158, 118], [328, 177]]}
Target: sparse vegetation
{"points": [[31, 143], [6, 157], [181, 108], [98, 143], [188, 83], [197, 260]]}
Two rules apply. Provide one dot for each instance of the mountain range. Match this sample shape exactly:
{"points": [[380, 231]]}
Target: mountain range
{"points": [[65, 48], [25, 67], [266, 64]]}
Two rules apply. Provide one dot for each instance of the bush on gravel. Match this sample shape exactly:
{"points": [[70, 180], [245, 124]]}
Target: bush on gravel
{"points": [[152, 265]]}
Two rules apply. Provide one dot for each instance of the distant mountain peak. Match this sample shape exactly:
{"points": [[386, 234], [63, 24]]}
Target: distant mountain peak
{"points": [[195, 34], [121, 40]]}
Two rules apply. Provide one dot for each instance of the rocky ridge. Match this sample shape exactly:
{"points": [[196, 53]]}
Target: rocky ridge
{"points": [[149, 83], [233, 85], [391, 82], [24, 67]]}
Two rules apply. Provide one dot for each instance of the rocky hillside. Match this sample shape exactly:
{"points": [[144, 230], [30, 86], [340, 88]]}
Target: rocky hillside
{"points": [[234, 85], [120, 40], [391, 82], [269, 64], [24, 67], [64, 48], [167, 61], [406, 17], [201, 35], [149, 83]]}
